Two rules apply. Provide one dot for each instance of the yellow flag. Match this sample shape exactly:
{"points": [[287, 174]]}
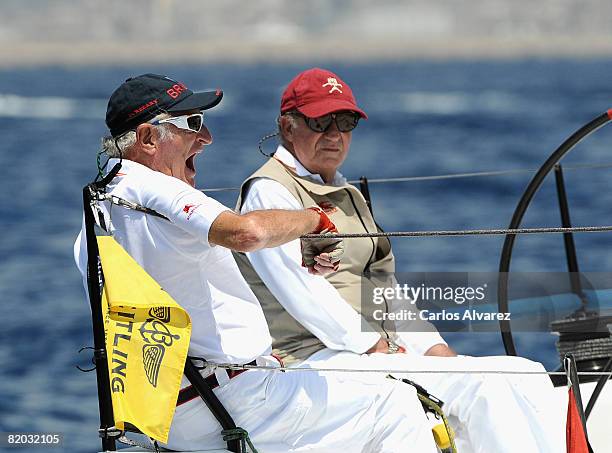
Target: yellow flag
{"points": [[147, 337]]}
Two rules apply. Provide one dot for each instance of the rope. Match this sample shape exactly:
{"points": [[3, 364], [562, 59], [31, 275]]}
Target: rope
{"points": [[239, 434], [440, 413], [448, 176], [499, 231], [113, 199], [586, 229], [230, 366], [100, 196]]}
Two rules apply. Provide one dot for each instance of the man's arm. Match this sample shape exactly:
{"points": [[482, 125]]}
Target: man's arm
{"points": [[261, 229], [215, 224], [271, 228]]}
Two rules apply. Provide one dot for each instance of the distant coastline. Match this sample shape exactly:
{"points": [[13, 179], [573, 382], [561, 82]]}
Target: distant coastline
{"points": [[94, 32], [19, 54]]}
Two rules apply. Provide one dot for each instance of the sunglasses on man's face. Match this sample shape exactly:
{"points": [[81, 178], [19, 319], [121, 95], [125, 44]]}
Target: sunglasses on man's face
{"points": [[345, 121], [192, 122]]}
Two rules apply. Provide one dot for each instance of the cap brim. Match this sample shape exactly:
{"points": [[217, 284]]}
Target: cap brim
{"points": [[316, 109], [198, 101]]}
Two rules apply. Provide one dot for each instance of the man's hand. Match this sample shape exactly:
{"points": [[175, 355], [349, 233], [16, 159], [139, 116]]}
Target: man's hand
{"points": [[322, 256], [382, 346]]}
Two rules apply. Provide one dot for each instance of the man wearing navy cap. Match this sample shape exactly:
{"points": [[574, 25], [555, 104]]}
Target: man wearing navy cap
{"points": [[318, 322], [157, 131]]}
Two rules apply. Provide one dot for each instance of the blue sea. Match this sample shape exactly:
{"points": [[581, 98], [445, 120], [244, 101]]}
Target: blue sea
{"points": [[425, 118]]}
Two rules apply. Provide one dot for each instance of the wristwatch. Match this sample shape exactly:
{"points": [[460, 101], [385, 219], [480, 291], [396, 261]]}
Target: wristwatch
{"points": [[393, 348]]}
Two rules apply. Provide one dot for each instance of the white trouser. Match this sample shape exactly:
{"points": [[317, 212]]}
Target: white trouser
{"points": [[309, 411], [489, 412]]}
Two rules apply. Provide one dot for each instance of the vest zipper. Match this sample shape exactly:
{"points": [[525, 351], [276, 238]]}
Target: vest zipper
{"points": [[382, 323]]}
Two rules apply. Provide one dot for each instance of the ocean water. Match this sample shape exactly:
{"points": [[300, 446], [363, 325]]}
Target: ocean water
{"points": [[425, 118]]}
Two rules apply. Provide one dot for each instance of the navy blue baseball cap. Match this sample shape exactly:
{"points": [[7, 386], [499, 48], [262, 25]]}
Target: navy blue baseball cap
{"points": [[141, 98]]}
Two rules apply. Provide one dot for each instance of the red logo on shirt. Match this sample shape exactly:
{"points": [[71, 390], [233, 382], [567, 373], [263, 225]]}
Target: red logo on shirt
{"points": [[327, 206], [189, 209]]}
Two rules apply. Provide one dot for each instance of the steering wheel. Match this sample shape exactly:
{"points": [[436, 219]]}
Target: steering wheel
{"points": [[519, 212]]}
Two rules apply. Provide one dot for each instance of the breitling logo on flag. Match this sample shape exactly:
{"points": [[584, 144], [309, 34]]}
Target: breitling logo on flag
{"points": [[157, 336], [147, 338]]}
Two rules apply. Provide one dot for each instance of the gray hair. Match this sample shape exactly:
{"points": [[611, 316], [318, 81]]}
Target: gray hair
{"points": [[116, 147]]}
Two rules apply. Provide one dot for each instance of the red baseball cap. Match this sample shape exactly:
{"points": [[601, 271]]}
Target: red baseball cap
{"points": [[317, 92]]}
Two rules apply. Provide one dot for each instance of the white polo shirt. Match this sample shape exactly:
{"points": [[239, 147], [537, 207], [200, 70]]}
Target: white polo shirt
{"points": [[228, 324]]}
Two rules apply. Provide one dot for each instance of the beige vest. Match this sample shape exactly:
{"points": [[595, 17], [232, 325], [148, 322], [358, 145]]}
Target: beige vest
{"points": [[347, 208]]}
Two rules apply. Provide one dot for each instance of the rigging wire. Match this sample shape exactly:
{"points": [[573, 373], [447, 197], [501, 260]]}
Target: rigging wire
{"points": [[480, 174], [495, 231], [447, 176], [230, 366]]}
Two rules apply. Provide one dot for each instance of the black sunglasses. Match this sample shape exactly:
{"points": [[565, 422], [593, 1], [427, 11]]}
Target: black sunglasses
{"points": [[345, 121]]}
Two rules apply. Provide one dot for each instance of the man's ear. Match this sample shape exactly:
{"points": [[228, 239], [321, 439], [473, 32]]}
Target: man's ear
{"points": [[285, 127], [147, 138]]}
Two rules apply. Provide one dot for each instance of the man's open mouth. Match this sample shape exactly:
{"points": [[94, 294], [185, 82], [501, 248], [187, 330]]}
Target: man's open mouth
{"points": [[190, 163]]}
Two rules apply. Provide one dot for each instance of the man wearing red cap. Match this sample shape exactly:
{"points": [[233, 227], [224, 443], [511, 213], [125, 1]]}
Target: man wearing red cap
{"points": [[318, 322], [156, 132]]}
